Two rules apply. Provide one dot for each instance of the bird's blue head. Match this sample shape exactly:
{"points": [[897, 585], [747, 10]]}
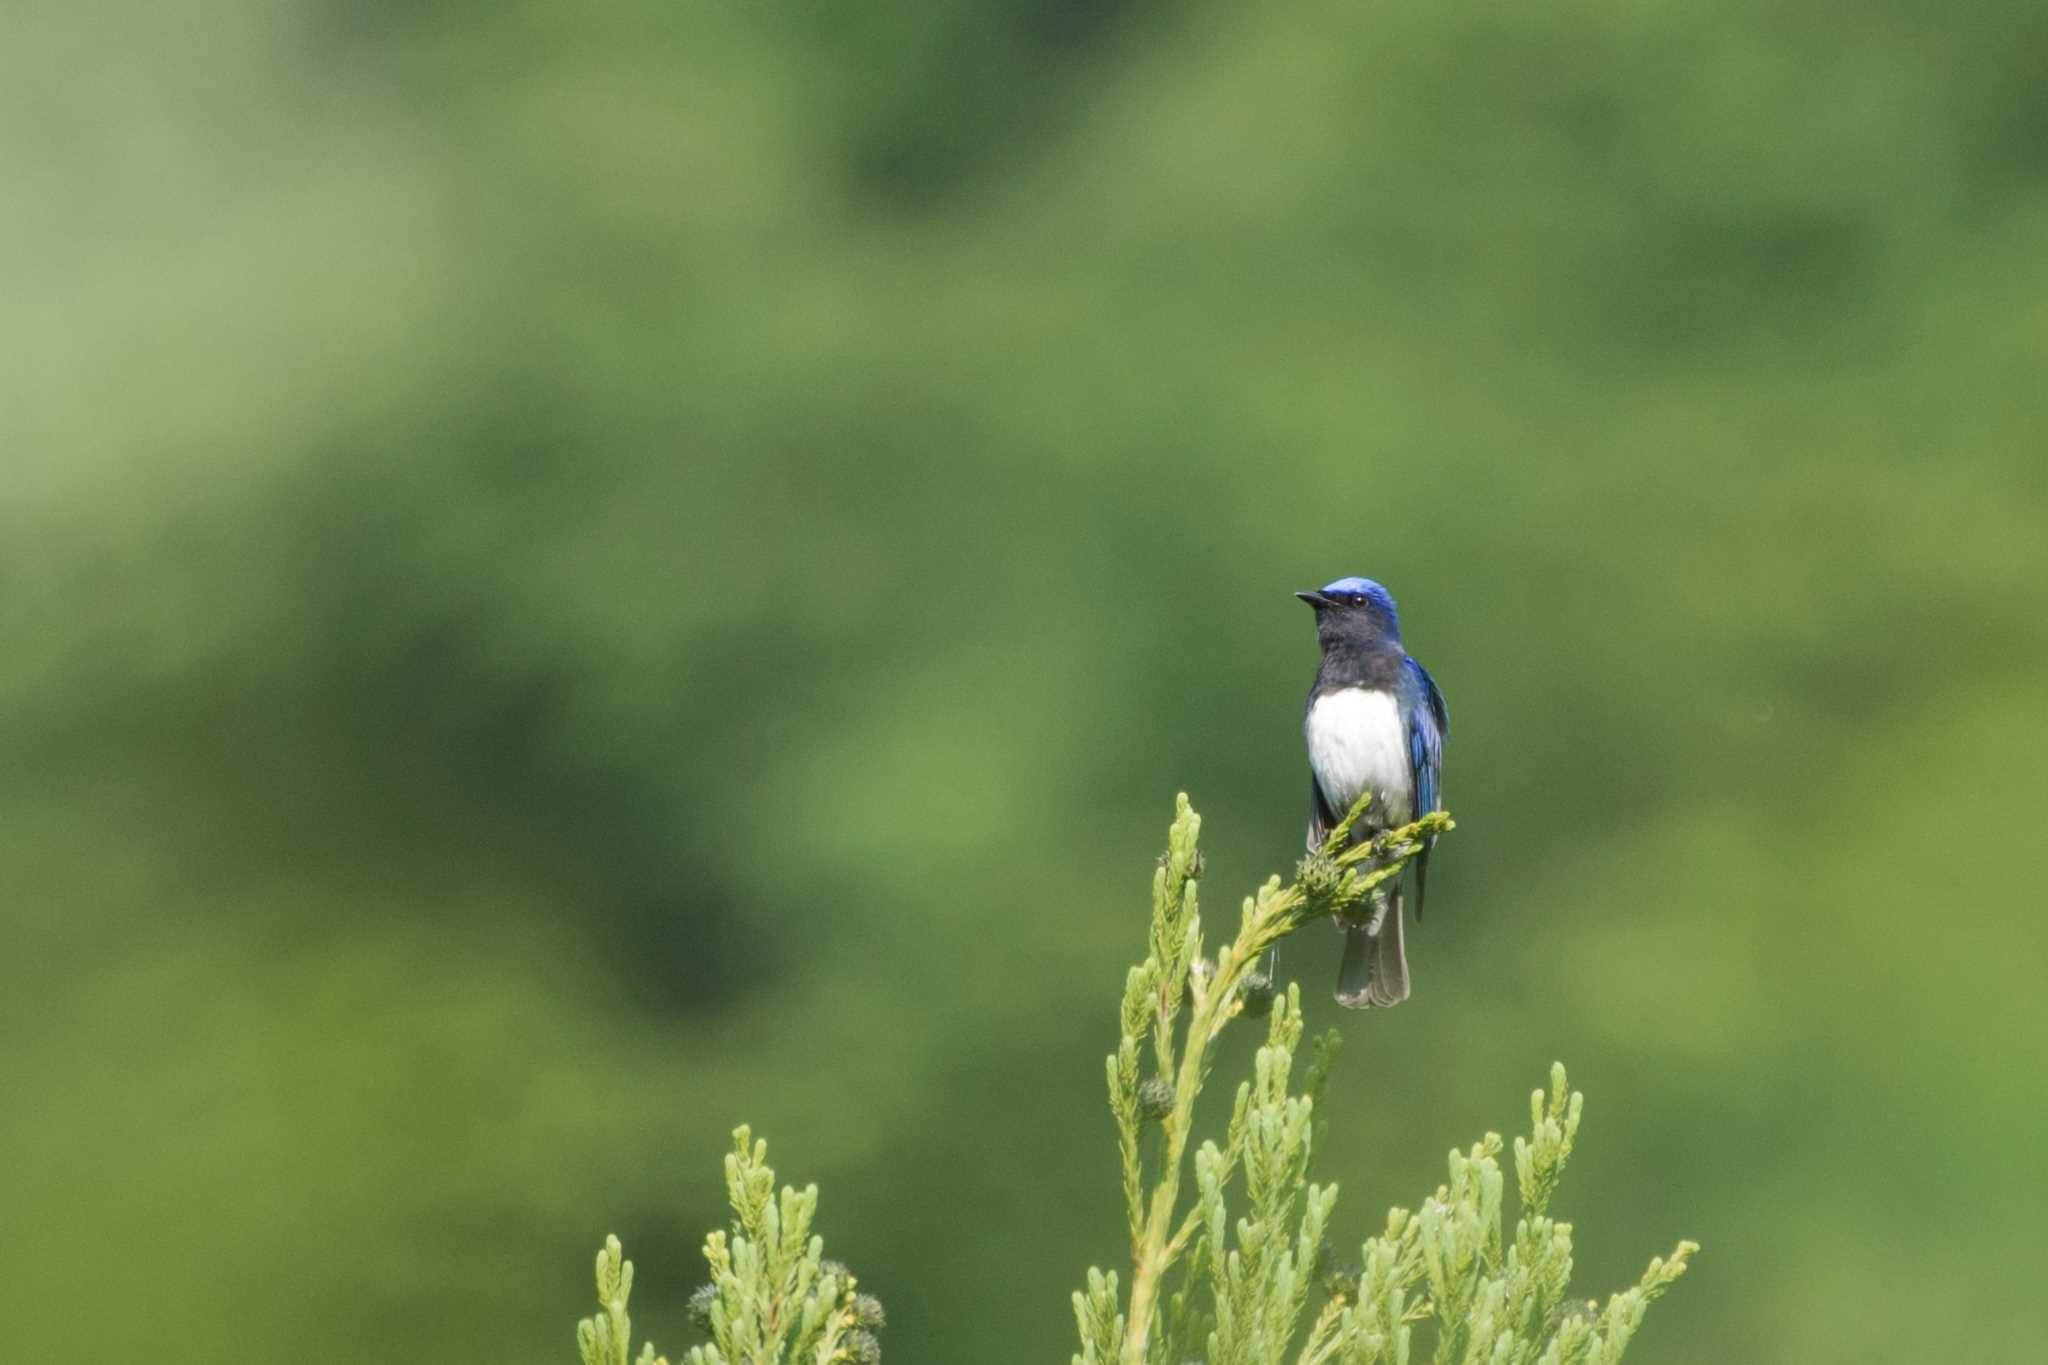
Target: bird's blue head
{"points": [[1354, 610]]}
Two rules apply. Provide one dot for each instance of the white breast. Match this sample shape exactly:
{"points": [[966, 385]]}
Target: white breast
{"points": [[1356, 743]]}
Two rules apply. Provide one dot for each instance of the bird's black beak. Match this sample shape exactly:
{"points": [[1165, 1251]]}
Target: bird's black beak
{"points": [[1314, 599]]}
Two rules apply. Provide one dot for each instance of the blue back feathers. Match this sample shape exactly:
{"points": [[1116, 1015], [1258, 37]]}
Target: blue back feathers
{"points": [[1429, 725]]}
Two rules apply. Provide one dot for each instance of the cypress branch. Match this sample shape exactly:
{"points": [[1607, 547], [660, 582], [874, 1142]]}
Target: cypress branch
{"points": [[1245, 1287]]}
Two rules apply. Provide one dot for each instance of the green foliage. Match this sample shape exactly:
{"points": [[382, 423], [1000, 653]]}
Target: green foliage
{"points": [[772, 1297], [607, 1339], [1243, 1286]]}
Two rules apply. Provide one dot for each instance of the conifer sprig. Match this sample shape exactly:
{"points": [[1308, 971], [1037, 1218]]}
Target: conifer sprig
{"points": [[1337, 879], [773, 1299], [1244, 1285], [607, 1339]]}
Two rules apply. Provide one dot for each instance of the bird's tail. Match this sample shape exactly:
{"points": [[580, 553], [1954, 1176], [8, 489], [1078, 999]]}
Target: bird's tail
{"points": [[1374, 973]]}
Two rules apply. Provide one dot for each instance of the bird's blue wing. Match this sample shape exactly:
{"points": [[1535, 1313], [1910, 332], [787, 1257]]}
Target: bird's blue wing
{"points": [[1429, 725]]}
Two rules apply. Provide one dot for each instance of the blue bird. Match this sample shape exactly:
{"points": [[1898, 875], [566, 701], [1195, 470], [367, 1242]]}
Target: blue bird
{"points": [[1375, 722]]}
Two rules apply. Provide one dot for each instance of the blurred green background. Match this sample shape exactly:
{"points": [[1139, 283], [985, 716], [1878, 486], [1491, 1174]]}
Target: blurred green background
{"points": [[574, 575]]}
